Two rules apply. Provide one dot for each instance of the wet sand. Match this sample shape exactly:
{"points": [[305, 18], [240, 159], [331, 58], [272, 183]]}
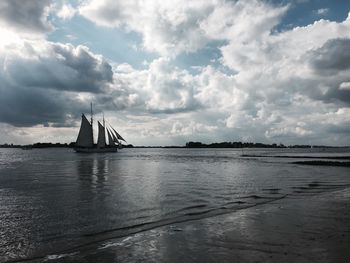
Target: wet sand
{"points": [[298, 228]]}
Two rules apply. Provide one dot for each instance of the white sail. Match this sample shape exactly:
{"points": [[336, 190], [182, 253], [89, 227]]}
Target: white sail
{"points": [[85, 137], [110, 138], [101, 141], [118, 135], [115, 139]]}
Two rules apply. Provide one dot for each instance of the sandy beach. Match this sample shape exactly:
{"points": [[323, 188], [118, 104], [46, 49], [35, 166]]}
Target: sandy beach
{"points": [[300, 228]]}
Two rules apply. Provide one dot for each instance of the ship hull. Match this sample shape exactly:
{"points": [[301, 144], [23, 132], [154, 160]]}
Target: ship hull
{"points": [[96, 150]]}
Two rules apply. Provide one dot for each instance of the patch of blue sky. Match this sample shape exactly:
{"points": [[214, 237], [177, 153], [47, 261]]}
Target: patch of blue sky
{"points": [[208, 55], [305, 12], [115, 44]]}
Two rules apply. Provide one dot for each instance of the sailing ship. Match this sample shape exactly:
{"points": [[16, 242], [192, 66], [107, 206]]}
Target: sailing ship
{"points": [[85, 141]]}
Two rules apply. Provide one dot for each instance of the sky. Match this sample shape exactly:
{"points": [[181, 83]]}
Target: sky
{"points": [[165, 72]]}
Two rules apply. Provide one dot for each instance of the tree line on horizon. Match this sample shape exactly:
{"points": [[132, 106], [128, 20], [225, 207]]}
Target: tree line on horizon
{"points": [[190, 144], [243, 145]]}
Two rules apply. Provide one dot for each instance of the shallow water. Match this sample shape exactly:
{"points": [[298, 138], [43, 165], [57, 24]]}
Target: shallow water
{"points": [[55, 201]]}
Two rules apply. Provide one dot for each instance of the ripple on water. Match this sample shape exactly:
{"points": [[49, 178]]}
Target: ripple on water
{"points": [[55, 200]]}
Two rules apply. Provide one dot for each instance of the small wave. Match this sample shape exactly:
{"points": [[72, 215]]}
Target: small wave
{"points": [[192, 207], [114, 244], [272, 191], [199, 213], [235, 202], [256, 197], [317, 187], [59, 256]]}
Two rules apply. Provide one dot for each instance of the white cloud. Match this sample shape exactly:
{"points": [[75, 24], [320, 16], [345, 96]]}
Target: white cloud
{"points": [[170, 28], [161, 88], [344, 86], [322, 11], [191, 128], [25, 17], [166, 27], [290, 86], [66, 11]]}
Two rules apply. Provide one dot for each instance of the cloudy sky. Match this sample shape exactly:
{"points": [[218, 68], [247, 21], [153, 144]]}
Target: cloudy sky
{"points": [[165, 72]]}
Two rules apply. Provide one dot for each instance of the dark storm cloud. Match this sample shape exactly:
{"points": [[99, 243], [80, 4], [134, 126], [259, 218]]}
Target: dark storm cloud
{"points": [[331, 63], [327, 90], [25, 107], [25, 15], [337, 94], [93, 69], [43, 85], [65, 68], [333, 56]]}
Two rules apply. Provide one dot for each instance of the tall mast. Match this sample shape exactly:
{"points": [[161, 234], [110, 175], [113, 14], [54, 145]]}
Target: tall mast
{"points": [[92, 127], [91, 112], [104, 125], [103, 114]]}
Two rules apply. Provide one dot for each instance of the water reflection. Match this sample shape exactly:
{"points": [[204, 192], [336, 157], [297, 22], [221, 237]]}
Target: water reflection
{"points": [[58, 199], [93, 169]]}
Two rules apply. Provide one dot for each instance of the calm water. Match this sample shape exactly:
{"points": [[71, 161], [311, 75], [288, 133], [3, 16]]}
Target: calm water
{"points": [[56, 201]]}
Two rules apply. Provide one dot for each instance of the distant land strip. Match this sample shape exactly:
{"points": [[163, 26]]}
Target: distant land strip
{"points": [[324, 163], [188, 145]]}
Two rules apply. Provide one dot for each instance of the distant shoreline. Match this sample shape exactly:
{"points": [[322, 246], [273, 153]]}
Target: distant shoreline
{"points": [[228, 145]]}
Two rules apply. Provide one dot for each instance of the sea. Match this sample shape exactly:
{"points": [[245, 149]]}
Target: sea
{"points": [[55, 202]]}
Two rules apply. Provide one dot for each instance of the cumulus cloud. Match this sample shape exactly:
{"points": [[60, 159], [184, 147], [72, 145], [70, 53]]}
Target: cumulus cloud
{"points": [[56, 66], [30, 16], [333, 56], [23, 107], [290, 86], [166, 27], [322, 11], [170, 90], [344, 86], [44, 83], [66, 11], [161, 88], [331, 65], [185, 26], [286, 74]]}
